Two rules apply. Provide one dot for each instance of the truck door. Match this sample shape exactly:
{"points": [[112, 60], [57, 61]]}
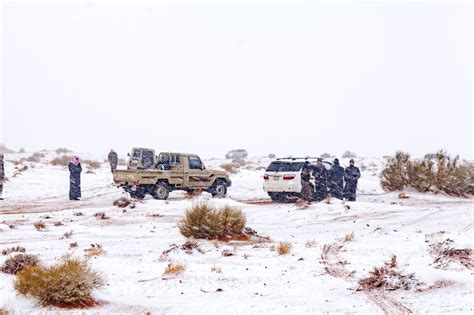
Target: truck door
{"points": [[195, 175]]}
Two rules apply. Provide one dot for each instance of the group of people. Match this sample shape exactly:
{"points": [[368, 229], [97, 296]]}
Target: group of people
{"points": [[338, 182]]}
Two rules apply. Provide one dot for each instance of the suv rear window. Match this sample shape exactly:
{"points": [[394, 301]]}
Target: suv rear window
{"points": [[285, 167]]}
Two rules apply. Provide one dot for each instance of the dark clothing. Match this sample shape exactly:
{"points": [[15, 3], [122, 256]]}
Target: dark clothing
{"points": [[351, 176], [2, 175], [336, 180], [320, 180], [74, 181], [306, 173], [113, 160], [307, 189]]}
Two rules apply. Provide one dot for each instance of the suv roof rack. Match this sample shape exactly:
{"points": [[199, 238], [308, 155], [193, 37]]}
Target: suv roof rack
{"points": [[298, 158]]}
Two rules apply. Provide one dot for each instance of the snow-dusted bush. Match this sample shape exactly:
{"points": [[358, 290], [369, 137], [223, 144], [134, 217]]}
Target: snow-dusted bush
{"points": [[283, 248], [68, 283], [206, 221], [60, 161], [16, 263], [122, 202], [39, 225], [429, 175], [91, 164], [173, 269], [349, 154]]}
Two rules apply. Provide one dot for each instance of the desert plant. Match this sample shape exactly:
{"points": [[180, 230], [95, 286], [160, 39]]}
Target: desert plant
{"points": [[68, 283], [283, 248], [16, 249], [101, 216], [326, 155], [62, 151], [122, 202], [60, 161], [94, 250], [67, 234], [40, 225], [271, 156], [173, 269], [35, 157], [206, 221], [91, 164], [442, 173], [349, 154], [16, 263], [216, 269]]}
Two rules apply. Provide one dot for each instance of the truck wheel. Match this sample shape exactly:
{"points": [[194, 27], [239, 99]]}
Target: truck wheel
{"points": [[219, 190], [161, 191]]}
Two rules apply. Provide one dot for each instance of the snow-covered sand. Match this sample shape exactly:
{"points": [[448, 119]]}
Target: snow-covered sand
{"points": [[311, 278]]}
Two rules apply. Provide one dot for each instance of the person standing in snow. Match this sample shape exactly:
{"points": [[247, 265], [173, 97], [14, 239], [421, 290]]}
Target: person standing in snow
{"points": [[113, 160], [75, 170], [307, 190], [320, 178], [2, 175], [351, 176], [335, 179]]}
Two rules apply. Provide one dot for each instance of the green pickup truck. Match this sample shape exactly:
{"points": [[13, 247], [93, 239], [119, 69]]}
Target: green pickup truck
{"points": [[173, 171]]}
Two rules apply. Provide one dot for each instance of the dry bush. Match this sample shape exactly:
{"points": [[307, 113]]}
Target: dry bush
{"points": [[94, 250], [62, 151], [234, 166], [16, 249], [403, 195], [67, 234], [301, 204], [207, 221], [271, 156], [36, 157], [58, 223], [189, 246], [388, 277], [174, 269], [15, 264], [444, 253], [310, 244], [429, 175], [122, 202], [216, 269], [78, 214], [349, 154], [326, 155], [73, 245], [40, 225], [283, 248], [101, 216], [22, 168], [60, 161], [91, 164], [349, 237], [67, 284]]}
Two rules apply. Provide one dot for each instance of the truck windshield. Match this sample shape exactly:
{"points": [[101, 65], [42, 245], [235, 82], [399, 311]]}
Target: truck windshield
{"points": [[285, 167]]}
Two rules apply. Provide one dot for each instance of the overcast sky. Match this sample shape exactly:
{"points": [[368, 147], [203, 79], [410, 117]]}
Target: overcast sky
{"points": [[301, 79]]}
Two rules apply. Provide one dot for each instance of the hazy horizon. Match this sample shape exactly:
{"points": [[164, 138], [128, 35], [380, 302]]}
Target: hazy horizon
{"points": [[285, 78]]}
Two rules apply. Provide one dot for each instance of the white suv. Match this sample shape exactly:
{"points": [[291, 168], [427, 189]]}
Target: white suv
{"points": [[282, 178]]}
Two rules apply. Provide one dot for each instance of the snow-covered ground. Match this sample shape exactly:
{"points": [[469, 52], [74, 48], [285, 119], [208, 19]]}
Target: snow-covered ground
{"points": [[255, 278]]}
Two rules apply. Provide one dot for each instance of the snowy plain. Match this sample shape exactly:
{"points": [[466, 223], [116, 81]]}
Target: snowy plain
{"points": [[254, 278]]}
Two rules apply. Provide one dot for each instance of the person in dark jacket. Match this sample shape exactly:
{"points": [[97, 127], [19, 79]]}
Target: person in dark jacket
{"points": [[320, 179], [2, 175], [336, 180], [113, 160], [307, 189], [75, 170], [351, 176]]}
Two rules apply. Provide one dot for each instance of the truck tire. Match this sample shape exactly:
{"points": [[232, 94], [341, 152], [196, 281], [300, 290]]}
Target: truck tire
{"points": [[161, 191], [219, 190]]}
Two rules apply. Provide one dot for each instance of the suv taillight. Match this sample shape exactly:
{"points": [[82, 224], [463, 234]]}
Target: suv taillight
{"points": [[265, 177], [288, 177]]}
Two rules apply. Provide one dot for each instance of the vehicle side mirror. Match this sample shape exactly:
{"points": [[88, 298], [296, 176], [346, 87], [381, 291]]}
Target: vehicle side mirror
{"points": [[128, 154]]}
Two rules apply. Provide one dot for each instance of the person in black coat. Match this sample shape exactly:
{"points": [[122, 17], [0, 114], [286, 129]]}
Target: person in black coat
{"points": [[351, 176], [320, 180], [336, 180], [307, 189], [75, 170]]}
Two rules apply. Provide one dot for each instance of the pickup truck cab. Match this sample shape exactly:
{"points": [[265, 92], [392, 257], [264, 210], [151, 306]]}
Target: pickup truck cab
{"points": [[175, 171]]}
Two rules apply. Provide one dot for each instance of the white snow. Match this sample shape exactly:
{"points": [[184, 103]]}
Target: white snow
{"points": [[255, 279]]}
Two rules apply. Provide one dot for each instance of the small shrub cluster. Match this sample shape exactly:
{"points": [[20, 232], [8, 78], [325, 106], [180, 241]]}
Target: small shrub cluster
{"points": [[101, 216], [207, 221], [62, 151], [94, 250], [234, 166], [91, 164], [283, 248], [444, 253], [349, 154], [174, 269], [388, 277], [67, 284], [40, 225], [16, 263], [122, 202], [443, 173], [16, 249], [60, 161], [35, 157]]}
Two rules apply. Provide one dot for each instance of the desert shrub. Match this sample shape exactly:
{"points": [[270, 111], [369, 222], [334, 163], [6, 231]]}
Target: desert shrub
{"points": [[429, 175], [16, 249], [68, 283], [36, 157], [91, 164], [62, 151], [388, 277], [283, 248], [326, 155], [206, 221], [40, 225], [271, 156], [122, 202], [173, 269], [349, 154], [94, 250], [230, 168], [60, 161], [101, 216], [16, 263]]}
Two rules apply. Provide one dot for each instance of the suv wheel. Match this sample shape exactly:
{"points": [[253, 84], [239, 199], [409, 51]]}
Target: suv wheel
{"points": [[219, 190], [161, 191]]}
